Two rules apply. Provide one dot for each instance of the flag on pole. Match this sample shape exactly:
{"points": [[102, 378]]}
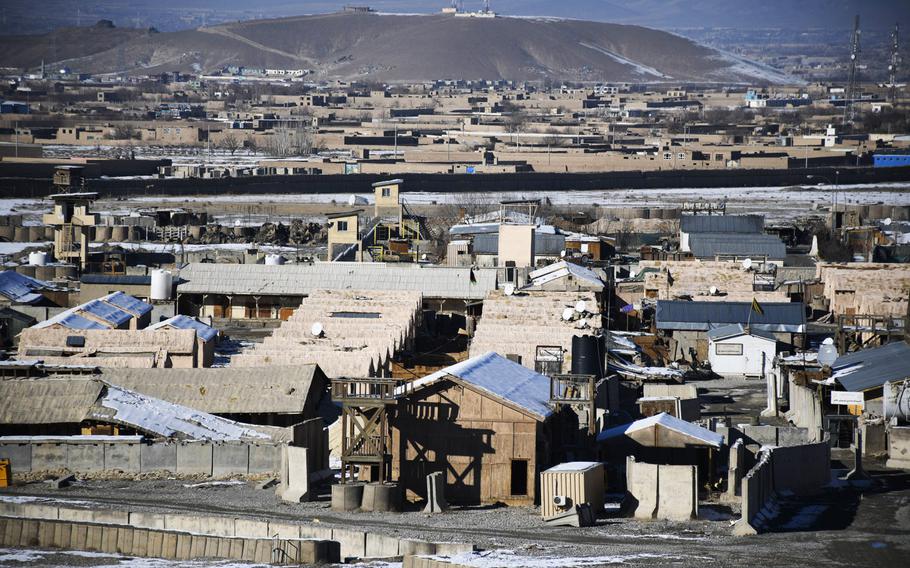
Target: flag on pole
{"points": [[669, 278], [756, 307]]}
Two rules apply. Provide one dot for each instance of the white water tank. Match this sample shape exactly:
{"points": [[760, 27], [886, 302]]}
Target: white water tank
{"points": [[38, 258], [274, 259], [162, 285]]}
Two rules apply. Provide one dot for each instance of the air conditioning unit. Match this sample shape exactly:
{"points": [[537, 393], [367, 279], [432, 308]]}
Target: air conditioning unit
{"points": [[561, 501]]}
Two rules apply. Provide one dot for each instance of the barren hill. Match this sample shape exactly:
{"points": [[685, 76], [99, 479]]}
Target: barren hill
{"points": [[404, 48]]}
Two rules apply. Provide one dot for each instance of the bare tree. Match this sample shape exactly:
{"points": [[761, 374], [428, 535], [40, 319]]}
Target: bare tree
{"points": [[250, 143], [124, 131], [231, 143]]}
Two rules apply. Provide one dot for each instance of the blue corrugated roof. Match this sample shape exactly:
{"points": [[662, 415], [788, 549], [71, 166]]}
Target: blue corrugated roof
{"points": [[504, 379], [128, 303], [709, 245], [121, 279], [872, 368], [702, 316], [75, 321], [205, 332], [20, 288], [114, 315], [721, 223]]}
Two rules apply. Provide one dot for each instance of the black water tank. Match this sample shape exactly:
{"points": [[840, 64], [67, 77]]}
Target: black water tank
{"points": [[587, 355]]}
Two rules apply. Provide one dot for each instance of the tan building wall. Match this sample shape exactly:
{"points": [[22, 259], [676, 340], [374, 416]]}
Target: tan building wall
{"points": [[516, 244]]}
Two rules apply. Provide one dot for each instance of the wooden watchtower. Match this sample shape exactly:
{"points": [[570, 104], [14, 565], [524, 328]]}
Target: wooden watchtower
{"points": [[366, 437]]}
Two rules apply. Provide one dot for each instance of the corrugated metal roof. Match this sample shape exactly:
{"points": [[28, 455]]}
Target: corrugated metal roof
{"points": [[697, 435], [721, 223], [117, 279], [871, 368], [73, 320], [562, 268], [701, 316], [116, 316], [205, 332], [241, 390], [735, 330], [47, 400], [709, 245], [301, 279], [20, 288], [502, 378], [126, 302]]}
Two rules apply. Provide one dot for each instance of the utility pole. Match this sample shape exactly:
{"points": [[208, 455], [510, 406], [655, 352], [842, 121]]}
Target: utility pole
{"points": [[850, 93], [894, 63]]}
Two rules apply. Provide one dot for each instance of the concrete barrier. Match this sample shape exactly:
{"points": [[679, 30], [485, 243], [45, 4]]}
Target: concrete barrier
{"points": [[194, 458], [158, 457], [802, 470], [641, 483], [353, 543], [48, 456], [230, 459], [677, 493], [899, 447], [132, 541], [120, 456], [380, 546], [758, 497], [18, 454], [85, 457]]}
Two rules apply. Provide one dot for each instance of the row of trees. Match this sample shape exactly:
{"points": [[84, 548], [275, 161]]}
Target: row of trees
{"points": [[284, 142]]}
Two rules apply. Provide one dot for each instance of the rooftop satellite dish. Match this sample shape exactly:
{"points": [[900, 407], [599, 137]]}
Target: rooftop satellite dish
{"points": [[747, 264], [562, 254], [509, 289], [580, 306], [317, 329], [712, 290], [828, 341], [887, 221], [568, 314]]}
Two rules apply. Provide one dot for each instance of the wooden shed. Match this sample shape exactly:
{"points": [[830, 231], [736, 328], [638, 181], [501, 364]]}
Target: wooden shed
{"points": [[485, 422], [569, 484]]}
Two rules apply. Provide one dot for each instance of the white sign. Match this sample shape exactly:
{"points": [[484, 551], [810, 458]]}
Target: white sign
{"points": [[848, 398]]}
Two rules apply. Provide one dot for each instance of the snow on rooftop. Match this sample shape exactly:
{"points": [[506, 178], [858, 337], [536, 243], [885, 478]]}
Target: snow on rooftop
{"points": [[666, 421]]}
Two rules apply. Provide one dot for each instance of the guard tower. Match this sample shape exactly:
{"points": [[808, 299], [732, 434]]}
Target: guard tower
{"points": [[366, 437], [71, 218]]}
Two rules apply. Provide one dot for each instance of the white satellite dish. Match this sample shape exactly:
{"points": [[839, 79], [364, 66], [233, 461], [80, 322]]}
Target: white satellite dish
{"points": [[508, 289], [887, 221], [568, 314], [631, 274], [562, 254], [581, 307], [712, 290], [747, 264], [317, 329], [828, 341]]}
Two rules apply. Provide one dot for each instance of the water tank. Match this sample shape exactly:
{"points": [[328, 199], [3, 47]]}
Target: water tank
{"points": [[896, 400], [38, 258], [827, 353], [587, 355], [162, 285], [274, 259]]}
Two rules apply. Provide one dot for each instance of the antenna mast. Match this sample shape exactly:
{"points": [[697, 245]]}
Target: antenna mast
{"points": [[894, 63], [486, 7], [850, 94]]}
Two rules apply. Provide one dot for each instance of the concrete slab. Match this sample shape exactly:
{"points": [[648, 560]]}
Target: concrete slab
{"points": [[230, 459], [381, 546], [93, 539], [197, 546], [169, 545], [120, 456], [140, 542], [75, 515], [37, 511], [146, 520], [79, 536], [158, 457], [154, 543], [641, 482], [184, 546], [312, 531], [219, 526], [283, 530], [677, 492], [109, 516], [48, 456], [409, 547], [19, 456], [353, 543], [85, 457], [125, 540], [295, 477], [194, 458], [264, 458], [248, 528], [183, 523]]}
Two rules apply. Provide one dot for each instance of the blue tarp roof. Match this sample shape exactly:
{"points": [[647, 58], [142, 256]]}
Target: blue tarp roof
{"points": [[121, 279], [203, 331], [504, 379], [75, 321], [721, 223], [19, 288], [784, 317], [128, 303], [872, 368]]}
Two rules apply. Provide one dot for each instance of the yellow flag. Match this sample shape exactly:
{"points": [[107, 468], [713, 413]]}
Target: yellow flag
{"points": [[756, 307]]}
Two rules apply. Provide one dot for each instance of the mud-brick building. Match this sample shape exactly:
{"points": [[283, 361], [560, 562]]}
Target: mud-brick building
{"points": [[487, 423]]}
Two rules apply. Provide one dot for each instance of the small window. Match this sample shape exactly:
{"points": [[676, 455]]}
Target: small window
{"points": [[386, 192], [668, 156], [519, 484], [681, 156], [75, 341], [342, 225], [728, 348]]}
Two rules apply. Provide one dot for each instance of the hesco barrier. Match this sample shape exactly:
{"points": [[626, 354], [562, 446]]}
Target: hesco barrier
{"points": [[459, 183], [352, 543]]}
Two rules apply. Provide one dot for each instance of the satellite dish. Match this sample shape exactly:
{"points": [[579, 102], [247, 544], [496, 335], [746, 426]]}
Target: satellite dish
{"points": [[317, 329], [562, 254], [580, 306], [828, 341], [568, 314], [509, 289], [747, 264], [887, 221], [423, 256], [712, 290], [631, 274]]}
